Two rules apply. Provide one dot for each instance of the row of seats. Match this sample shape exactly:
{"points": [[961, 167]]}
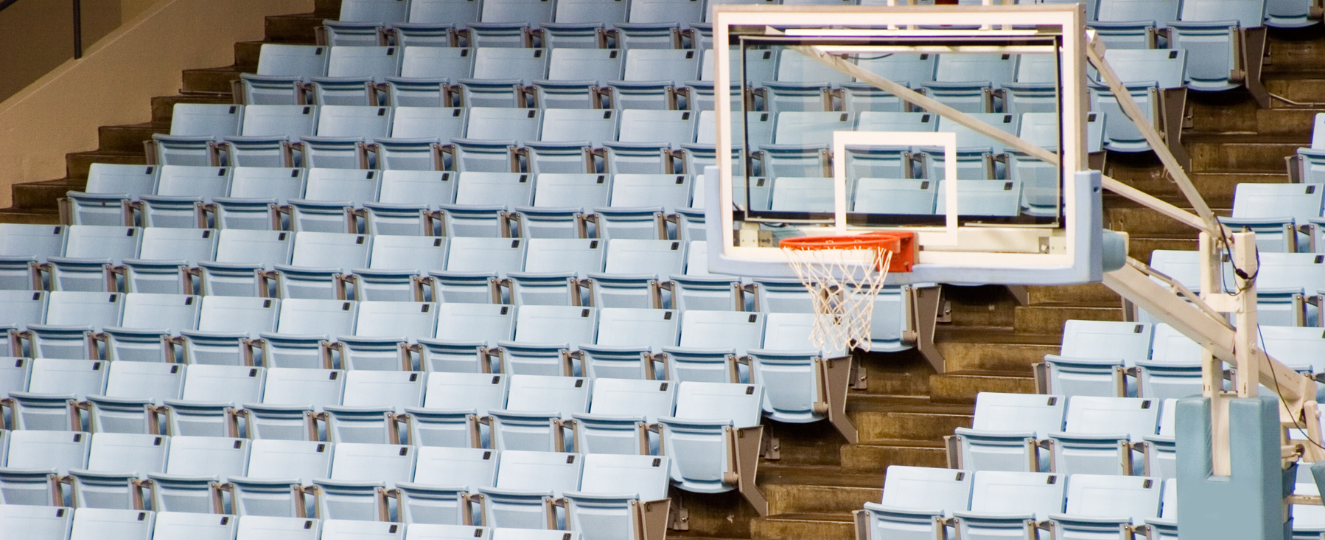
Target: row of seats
{"points": [[347, 481], [1156, 361], [696, 13], [1068, 435], [58, 523], [561, 141], [453, 11], [920, 502], [706, 414], [371, 334], [414, 203], [517, 412], [237, 262]]}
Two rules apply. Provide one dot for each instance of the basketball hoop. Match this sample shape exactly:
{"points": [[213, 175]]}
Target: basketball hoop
{"points": [[844, 274]]}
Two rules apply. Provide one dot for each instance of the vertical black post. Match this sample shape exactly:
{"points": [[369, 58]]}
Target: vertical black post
{"points": [[78, 29]]}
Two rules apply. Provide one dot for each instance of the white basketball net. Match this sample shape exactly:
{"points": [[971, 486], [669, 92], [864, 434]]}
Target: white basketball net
{"points": [[842, 288]]}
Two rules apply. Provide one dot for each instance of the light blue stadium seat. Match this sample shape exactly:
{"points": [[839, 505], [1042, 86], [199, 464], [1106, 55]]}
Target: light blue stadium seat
{"points": [[174, 525], [490, 221], [71, 318], [713, 293], [983, 198], [598, 65], [428, 531], [625, 290], [320, 262], [913, 69], [452, 405], [644, 257], [208, 392], [801, 128], [1098, 432], [89, 250], [293, 462], [525, 11], [859, 97], [605, 505], [534, 409], [1273, 212], [995, 68], [30, 450], [1006, 429], [379, 11], [647, 35], [131, 389], [621, 409], [115, 461], [707, 416], [417, 92], [146, 324], [510, 35], [1154, 78], [565, 137], [970, 97], [292, 60], [253, 527], [692, 227], [430, 62], [1138, 10], [205, 119], [913, 499], [1098, 504], [802, 194], [549, 288], [344, 529], [641, 190], [466, 468], [92, 523], [344, 91], [1084, 368], [37, 522], [223, 325], [794, 67], [105, 209], [649, 11], [164, 257], [673, 66], [523, 479], [444, 11], [551, 222], [368, 62], [27, 487], [275, 89], [192, 464], [1206, 30], [635, 223], [578, 34], [355, 33], [1007, 503], [894, 196], [302, 388], [131, 180]]}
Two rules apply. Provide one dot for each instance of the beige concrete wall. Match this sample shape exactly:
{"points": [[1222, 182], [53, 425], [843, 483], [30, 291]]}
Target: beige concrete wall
{"points": [[118, 76], [132, 8]]}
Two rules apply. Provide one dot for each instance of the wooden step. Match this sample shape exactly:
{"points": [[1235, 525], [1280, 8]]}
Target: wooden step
{"points": [[294, 29], [43, 196], [879, 455], [962, 386], [995, 348], [78, 163], [819, 526]]}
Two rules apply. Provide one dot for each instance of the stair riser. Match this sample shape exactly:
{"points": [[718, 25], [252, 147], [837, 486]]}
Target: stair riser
{"points": [[877, 426], [1091, 293], [127, 138], [1298, 53], [292, 29], [1141, 248], [1144, 221], [877, 458], [724, 515], [961, 356], [42, 195], [816, 443], [1216, 188], [1287, 121], [328, 9], [29, 218], [963, 389], [247, 54], [1216, 114], [1240, 156], [1049, 319], [791, 498], [801, 530], [77, 164], [209, 80]]}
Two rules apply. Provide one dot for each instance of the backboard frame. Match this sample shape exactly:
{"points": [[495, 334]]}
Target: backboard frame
{"points": [[1068, 254]]}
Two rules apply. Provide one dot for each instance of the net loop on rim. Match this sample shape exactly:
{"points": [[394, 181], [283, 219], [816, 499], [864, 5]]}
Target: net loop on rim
{"points": [[844, 274]]}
